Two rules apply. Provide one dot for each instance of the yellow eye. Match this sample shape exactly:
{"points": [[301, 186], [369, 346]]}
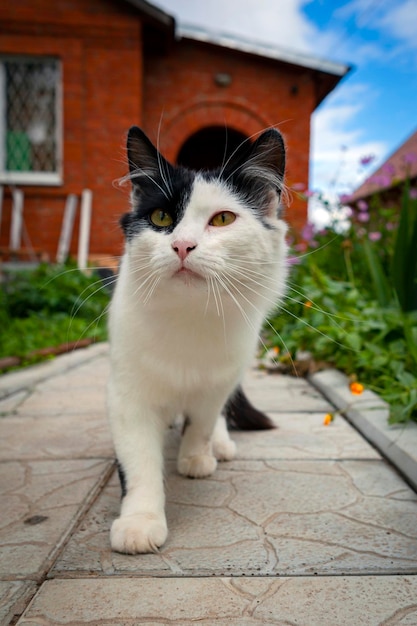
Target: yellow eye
{"points": [[161, 218], [223, 219]]}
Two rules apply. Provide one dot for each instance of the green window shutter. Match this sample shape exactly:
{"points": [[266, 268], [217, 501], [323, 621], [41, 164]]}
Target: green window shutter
{"points": [[18, 152]]}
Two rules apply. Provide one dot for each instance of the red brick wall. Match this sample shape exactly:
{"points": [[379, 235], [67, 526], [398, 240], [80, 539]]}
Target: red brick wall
{"points": [[99, 45], [107, 87], [181, 96]]}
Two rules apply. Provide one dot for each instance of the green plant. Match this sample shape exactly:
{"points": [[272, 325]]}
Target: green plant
{"points": [[352, 302], [50, 306]]}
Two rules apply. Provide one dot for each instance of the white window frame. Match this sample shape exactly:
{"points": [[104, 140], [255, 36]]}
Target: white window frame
{"points": [[29, 177]]}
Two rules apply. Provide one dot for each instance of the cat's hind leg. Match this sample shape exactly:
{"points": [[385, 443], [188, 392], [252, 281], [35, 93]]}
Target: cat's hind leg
{"points": [[224, 448], [202, 439]]}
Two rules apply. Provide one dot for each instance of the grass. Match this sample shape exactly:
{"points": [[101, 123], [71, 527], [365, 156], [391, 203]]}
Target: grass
{"points": [[48, 307]]}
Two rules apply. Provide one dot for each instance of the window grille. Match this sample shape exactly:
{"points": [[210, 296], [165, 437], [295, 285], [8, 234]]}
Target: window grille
{"points": [[30, 120]]}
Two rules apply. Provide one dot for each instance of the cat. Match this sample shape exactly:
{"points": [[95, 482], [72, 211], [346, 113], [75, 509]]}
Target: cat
{"points": [[204, 262]]}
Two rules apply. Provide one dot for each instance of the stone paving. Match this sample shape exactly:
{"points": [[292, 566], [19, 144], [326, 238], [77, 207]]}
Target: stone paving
{"points": [[307, 526]]}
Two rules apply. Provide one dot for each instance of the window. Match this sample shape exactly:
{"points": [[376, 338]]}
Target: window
{"points": [[30, 120]]}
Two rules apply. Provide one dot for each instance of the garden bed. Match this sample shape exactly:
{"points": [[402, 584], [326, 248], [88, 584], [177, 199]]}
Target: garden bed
{"points": [[48, 311]]}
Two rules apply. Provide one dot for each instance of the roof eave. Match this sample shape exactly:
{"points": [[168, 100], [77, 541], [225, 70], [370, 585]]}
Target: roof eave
{"points": [[154, 14], [263, 50]]}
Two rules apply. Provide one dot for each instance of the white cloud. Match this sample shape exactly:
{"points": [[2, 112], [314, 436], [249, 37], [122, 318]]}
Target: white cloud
{"points": [[400, 21], [338, 142], [395, 22], [280, 23]]}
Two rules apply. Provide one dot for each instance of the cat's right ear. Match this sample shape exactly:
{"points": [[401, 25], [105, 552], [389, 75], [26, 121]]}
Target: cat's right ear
{"points": [[145, 161]]}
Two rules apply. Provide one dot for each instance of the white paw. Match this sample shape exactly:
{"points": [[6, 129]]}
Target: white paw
{"points": [[140, 533], [224, 450], [197, 466]]}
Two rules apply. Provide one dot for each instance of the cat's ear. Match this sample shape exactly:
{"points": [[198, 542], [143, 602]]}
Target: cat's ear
{"points": [[143, 158], [265, 159], [258, 170]]}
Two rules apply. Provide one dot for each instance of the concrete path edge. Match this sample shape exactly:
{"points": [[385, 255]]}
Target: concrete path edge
{"points": [[18, 380], [369, 414]]}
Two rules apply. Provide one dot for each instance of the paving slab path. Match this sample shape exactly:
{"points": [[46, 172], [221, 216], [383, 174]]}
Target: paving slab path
{"points": [[309, 525]]}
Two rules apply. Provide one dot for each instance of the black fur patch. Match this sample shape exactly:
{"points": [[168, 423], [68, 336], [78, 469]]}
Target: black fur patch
{"points": [[122, 478], [149, 195], [242, 415], [186, 424]]}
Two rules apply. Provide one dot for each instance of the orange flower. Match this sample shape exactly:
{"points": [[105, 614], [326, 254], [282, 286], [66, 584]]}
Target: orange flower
{"points": [[276, 349], [356, 388], [328, 419], [308, 304]]}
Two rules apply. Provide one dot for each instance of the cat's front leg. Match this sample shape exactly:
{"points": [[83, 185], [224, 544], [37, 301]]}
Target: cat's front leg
{"points": [[205, 440], [138, 439]]}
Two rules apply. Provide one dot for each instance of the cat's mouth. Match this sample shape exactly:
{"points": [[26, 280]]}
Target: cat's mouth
{"points": [[186, 274]]}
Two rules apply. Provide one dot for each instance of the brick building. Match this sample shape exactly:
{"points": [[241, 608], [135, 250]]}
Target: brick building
{"points": [[75, 74]]}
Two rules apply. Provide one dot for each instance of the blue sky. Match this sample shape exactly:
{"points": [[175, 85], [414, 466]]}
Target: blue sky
{"points": [[374, 109]]}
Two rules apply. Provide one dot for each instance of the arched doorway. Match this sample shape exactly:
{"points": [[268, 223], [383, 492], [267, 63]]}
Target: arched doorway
{"points": [[209, 147]]}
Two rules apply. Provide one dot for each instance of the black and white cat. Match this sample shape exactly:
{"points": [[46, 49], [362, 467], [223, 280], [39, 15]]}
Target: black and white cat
{"points": [[205, 261]]}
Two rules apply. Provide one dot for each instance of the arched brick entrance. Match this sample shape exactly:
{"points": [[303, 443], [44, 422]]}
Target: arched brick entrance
{"points": [[210, 147], [200, 115]]}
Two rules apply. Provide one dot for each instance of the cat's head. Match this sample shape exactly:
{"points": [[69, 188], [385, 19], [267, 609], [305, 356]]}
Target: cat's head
{"points": [[223, 225]]}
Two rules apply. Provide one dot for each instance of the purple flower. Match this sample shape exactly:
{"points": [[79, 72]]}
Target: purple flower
{"points": [[410, 157], [362, 205], [300, 247], [308, 232], [413, 193], [375, 236], [366, 160], [390, 226], [363, 217], [344, 198], [381, 180]]}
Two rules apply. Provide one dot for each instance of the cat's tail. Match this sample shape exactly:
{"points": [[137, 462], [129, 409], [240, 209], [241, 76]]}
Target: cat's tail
{"points": [[242, 415]]}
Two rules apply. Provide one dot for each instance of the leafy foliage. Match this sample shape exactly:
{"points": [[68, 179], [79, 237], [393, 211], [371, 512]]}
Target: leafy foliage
{"points": [[50, 306], [352, 302]]}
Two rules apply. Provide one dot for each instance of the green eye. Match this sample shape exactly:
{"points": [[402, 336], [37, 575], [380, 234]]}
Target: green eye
{"points": [[223, 219], [161, 218]]}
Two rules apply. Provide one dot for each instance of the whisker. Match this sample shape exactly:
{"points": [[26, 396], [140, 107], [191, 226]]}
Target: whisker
{"points": [[318, 308], [300, 319], [249, 321], [83, 301], [215, 285], [138, 173], [161, 161], [151, 290], [315, 250], [147, 277], [95, 321], [246, 140]]}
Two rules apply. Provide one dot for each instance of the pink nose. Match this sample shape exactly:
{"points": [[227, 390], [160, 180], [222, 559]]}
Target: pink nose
{"points": [[183, 248]]}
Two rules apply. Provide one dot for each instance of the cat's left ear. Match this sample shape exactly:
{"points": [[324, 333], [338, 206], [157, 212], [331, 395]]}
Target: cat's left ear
{"points": [[266, 159], [145, 161], [259, 169]]}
